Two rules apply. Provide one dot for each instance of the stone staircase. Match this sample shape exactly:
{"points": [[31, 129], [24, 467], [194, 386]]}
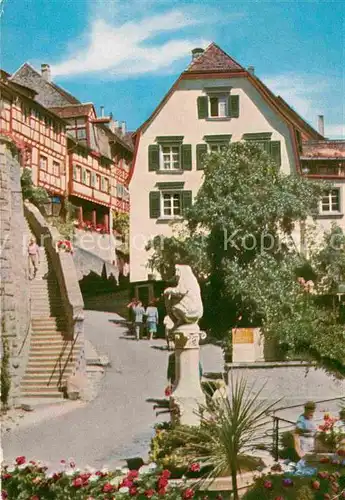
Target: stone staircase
{"points": [[51, 357]]}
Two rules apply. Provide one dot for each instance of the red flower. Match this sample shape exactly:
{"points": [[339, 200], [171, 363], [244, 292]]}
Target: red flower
{"points": [[162, 482], [77, 482], [162, 492], [194, 467], [188, 493], [168, 391], [126, 482], [132, 474], [4, 494], [166, 473], [6, 476], [324, 460], [20, 460], [107, 488], [35, 497], [268, 485], [57, 476], [149, 493], [133, 491]]}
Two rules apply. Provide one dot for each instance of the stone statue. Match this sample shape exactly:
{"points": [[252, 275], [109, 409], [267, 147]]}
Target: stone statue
{"points": [[183, 302]]}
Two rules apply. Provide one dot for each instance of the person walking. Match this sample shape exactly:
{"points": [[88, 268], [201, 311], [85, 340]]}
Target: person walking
{"points": [[33, 257], [151, 319], [138, 312], [130, 307]]}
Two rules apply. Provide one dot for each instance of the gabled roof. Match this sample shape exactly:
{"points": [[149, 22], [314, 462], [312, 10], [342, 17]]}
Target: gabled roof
{"points": [[26, 68], [213, 59], [73, 110]]}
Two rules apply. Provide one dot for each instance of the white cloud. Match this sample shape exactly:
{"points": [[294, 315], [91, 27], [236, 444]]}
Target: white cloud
{"points": [[119, 50]]}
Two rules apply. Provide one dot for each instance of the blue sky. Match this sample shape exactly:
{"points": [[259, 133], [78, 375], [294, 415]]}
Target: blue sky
{"points": [[125, 54]]}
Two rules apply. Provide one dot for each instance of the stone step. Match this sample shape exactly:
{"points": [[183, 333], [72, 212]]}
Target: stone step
{"points": [[44, 373], [49, 363], [41, 383], [42, 393]]}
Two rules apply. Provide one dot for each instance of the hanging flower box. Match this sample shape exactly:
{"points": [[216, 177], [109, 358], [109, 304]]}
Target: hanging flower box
{"points": [[64, 246]]}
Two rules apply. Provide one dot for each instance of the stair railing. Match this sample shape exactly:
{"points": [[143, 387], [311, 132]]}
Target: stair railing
{"points": [[58, 362], [67, 360]]}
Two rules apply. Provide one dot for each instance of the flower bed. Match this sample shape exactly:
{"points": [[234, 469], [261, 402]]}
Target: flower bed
{"points": [[327, 483], [29, 480], [89, 226]]}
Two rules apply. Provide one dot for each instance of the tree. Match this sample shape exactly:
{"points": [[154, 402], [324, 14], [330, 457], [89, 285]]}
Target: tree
{"points": [[36, 195], [239, 239]]}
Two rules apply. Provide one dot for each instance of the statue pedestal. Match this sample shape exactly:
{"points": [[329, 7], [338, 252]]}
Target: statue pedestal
{"points": [[187, 395]]}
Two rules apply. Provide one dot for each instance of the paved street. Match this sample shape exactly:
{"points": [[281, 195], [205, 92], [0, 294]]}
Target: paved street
{"points": [[118, 423]]}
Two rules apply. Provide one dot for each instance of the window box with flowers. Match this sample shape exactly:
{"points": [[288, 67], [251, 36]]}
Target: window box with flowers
{"points": [[64, 246]]}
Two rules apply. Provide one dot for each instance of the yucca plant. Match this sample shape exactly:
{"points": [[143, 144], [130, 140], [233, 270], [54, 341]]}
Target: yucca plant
{"points": [[230, 430]]}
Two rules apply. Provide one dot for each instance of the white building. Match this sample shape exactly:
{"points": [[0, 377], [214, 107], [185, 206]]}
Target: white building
{"points": [[214, 102]]}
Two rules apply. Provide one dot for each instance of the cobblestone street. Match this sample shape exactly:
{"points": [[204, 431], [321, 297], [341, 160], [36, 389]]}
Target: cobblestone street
{"points": [[118, 423]]}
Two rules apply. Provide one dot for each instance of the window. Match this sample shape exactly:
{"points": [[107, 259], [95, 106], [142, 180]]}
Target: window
{"points": [[171, 157], [26, 114], [87, 177], [77, 173], [218, 106], [43, 163], [171, 204], [81, 133], [77, 128], [98, 181], [56, 168], [217, 148], [330, 201], [105, 184]]}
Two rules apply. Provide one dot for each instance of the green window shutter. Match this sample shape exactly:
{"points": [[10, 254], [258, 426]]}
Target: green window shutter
{"points": [[153, 157], [234, 106], [74, 172], [202, 107], [83, 175], [102, 184], [93, 179], [186, 156], [275, 152], [201, 151], [186, 200], [155, 204]]}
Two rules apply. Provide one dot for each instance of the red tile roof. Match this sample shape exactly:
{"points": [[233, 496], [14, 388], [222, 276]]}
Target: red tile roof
{"points": [[324, 149], [214, 59], [73, 110]]}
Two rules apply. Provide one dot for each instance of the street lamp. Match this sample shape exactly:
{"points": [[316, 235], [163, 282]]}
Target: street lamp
{"points": [[305, 170]]}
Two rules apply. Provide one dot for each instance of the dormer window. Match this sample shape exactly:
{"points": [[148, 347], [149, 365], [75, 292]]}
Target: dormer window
{"points": [[218, 104]]}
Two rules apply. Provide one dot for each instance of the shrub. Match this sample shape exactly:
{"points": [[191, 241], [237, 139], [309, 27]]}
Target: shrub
{"points": [[5, 373], [36, 195]]}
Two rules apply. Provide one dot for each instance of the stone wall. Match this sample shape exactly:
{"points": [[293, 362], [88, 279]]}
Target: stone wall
{"points": [[294, 382], [87, 262], [15, 294]]}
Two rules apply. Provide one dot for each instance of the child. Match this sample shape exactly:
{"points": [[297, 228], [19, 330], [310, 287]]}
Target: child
{"points": [[138, 312], [151, 319]]}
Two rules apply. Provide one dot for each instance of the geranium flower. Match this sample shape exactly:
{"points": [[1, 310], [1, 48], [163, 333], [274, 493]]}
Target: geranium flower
{"points": [[162, 482], [161, 492], [188, 493], [20, 460], [166, 473], [35, 497], [149, 493], [6, 476], [132, 474], [4, 494], [77, 482], [127, 482], [133, 491], [107, 488], [195, 467], [268, 485], [124, 489]]}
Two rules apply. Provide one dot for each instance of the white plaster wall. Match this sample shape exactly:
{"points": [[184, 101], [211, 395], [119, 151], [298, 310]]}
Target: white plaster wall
{"points": [[179, 116]]}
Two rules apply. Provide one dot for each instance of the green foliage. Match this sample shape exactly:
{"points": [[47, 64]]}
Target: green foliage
{"points": [[121, 223], [5, 372], [287, 447], [36, 195], [272, 487], [238, 240], [65, 227]]}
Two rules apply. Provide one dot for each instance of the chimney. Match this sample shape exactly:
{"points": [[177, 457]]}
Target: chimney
{"points": [[102, 111], [45, 72], [251, 70], [123, 128], [321, 125], [197, 53]]}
